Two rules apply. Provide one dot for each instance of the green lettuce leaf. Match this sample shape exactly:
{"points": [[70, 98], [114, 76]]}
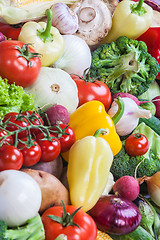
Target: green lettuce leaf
{"points": [[13, 98]]}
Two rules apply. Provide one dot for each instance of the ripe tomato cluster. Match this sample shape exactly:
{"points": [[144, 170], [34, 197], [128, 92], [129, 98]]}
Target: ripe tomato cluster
{"points": [[25, 140]]}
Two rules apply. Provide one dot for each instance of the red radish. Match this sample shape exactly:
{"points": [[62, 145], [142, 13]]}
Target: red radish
{"points": [[127, 187], [128, 95], [156, 102], [57, 114]]}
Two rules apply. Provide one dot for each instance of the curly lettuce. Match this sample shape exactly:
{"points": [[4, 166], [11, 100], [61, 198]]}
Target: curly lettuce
{"points": [[13, 98]]}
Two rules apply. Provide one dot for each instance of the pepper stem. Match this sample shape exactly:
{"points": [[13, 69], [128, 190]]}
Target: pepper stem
{"points": [[46, 35], [138, 8], [102, 131], [120, 111]]}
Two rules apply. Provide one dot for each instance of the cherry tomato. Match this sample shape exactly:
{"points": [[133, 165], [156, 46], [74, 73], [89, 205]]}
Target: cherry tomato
{"points": [[13, 118], [50, 148], [31, 155], [87, 229], [15, 67], [35, 119], [65, 135], [136, 144], [10, 158], [11, 31], [8, 140], [92, 90]]}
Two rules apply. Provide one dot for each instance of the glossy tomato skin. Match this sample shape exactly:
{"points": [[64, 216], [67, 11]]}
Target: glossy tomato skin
{"points": [[11, 31], [8, 140], [88, 91], [136, 144], [65, 140], [15, 67], [35, 119], [87, 228], [12, 117], [10, 158], [50, 149], [31, 155]]}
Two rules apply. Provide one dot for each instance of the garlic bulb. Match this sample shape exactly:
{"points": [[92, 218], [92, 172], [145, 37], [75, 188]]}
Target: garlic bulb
{"points": [[130, 117], [64, 18]]}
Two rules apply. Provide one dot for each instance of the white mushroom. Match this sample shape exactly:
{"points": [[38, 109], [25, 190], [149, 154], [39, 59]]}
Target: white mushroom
{"points": [[95, 20]]}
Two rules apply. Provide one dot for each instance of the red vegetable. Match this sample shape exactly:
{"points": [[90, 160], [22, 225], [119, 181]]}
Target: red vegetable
{"points": [[31, 154], [10, 158], [126, 187], [19, 63], [136, 144], [128, 95], [115, 215], [89, 89], [8, 140], [50, 147], [11, 31], [65, 135], [76, 225], [156, 102], [152, 39]]}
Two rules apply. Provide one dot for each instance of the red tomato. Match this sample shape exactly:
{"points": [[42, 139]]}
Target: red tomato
{"points": [[87, 229], [15, 67], [8, 140], [136, 144], [31, 155], [92, 90], [65, 135], [11, 31], [10, 158], [35, 119], [50, 148], [13, 118]]}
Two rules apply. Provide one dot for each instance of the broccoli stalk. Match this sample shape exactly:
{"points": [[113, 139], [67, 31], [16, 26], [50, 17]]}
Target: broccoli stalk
{"points": [[32, 230], [125, 66]]}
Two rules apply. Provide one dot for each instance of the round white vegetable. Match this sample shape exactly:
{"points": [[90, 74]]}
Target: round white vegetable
{"points": [[76, 57], [20, 197], [54, 86]]}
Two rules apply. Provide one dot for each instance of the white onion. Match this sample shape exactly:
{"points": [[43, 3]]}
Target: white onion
{"points": [[20, 197], [76, 57], [64, 18]]}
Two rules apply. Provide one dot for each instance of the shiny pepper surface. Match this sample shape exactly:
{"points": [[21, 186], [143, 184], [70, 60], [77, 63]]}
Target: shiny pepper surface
{"points": [[89, 163], [91, 116]]}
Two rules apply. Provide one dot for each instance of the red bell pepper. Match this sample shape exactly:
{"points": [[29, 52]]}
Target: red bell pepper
{"points": [[152, 39], [10, 31]]}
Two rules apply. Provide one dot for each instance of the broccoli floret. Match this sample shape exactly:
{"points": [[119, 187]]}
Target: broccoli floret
{"points": [[123, 164], [33, 229], [125, 66]]}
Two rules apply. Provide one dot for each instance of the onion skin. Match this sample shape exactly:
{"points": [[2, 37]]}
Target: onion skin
{"points": [[115, 215]]}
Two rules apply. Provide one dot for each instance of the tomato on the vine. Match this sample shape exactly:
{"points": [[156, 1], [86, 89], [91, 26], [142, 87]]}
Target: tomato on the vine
{"points": [[10, 158], [31, 154], [15, 118], [50, 148], [19, 63], [85, 228], [66, 136], [89, 90], [136, 144], [35, 120], [8, 140]]}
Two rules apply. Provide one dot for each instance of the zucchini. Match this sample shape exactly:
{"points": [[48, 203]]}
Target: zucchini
{"points": [[153, 123]]}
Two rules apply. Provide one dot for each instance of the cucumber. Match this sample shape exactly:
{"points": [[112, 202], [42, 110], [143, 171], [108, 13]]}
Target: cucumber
{"points": [[153, 123]]}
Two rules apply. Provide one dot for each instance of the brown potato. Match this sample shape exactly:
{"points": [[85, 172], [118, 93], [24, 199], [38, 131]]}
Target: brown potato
{"points": [[54, 167], [53, 191]]}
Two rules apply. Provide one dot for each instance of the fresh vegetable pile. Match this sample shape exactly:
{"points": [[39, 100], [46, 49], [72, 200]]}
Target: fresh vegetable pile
{"points": [[79, 120]]}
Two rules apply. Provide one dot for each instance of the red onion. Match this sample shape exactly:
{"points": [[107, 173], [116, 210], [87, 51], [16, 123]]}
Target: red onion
{"points": [[115, 215], [2, 37]]}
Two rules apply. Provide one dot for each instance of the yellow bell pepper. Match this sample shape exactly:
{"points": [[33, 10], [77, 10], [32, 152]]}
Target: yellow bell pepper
{"points": [[89, 117], [130, 19], [45, 39], [89, 163]]}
